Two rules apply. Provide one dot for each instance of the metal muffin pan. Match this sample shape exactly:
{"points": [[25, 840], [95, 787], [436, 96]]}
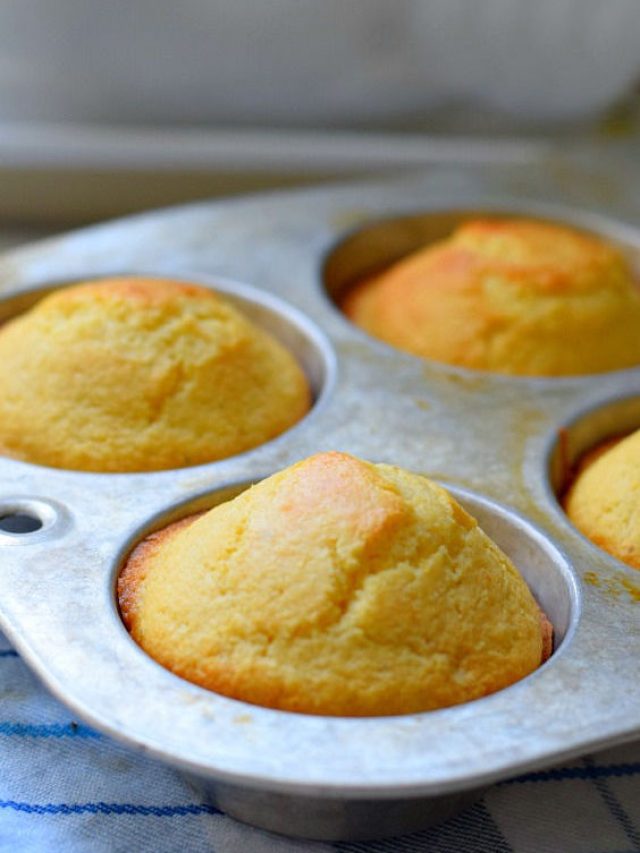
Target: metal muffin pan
{"points": [[492, 439]]}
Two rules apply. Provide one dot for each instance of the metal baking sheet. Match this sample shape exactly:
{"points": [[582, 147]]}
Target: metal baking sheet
{"points": [[500, 443]]}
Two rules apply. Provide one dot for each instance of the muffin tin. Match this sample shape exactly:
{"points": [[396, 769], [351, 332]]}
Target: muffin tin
{"points": [[502, 445]]}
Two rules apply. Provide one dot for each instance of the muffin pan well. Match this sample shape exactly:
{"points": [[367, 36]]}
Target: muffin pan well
{"points": [[490, 438]]}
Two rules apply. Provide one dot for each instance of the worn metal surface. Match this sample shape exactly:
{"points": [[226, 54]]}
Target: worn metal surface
{"points": [[492, 438]]}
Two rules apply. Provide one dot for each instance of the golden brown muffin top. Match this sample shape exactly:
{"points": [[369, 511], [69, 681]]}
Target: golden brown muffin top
{"points": [[335, 587], [514, 296], [138, 374], [604, 499]]}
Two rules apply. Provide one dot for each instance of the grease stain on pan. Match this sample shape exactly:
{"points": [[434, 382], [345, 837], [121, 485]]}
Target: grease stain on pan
{"points": [[243, 719], [632, 589], [613, 588], [476, 381]]}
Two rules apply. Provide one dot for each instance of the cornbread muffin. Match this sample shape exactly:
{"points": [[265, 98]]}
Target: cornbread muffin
{"points": [[335, 587], [603, 499], [138, 374], [512, 296]]}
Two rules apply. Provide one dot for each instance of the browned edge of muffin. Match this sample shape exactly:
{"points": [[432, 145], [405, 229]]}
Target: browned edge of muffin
{"points": [[134, 570]]}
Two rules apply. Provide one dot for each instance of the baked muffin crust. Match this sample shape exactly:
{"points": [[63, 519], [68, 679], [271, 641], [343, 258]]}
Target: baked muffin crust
{"points": [[335, 587], [139, 374], [514, 296]]}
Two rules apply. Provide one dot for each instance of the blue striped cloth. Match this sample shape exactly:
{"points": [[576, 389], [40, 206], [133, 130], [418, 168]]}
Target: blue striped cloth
{"points": [[65, 788]]}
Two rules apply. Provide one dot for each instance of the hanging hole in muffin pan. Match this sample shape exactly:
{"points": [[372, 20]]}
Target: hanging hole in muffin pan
{"points": [[26, 520], [19, 522]]}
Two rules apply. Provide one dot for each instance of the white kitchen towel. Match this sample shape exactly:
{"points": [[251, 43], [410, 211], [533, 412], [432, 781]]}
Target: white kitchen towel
{"points": [[67, 789]]}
